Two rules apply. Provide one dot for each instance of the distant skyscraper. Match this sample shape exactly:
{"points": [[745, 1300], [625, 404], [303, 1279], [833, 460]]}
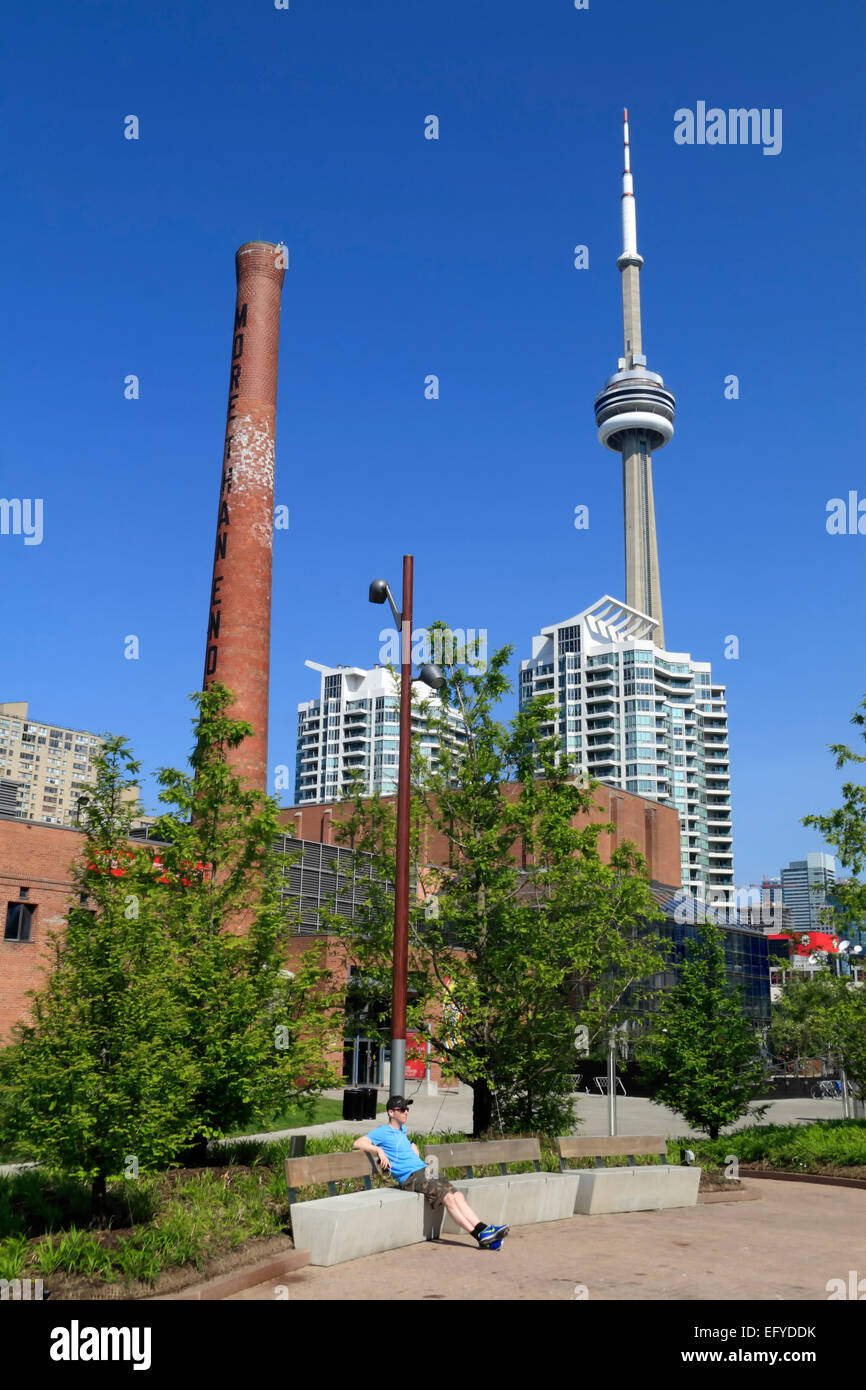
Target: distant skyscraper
{"points": [[805, 884], [629, 712], [353, 730], [44, 767]]}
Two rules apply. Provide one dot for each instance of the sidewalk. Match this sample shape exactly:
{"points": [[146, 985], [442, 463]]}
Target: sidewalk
{"points": [[452, 1111], [785, 1246], [634, 1115]]}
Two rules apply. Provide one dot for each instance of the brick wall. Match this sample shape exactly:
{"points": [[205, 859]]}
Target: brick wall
{"points": [[39, 857], [653, 828], [36, 857]]}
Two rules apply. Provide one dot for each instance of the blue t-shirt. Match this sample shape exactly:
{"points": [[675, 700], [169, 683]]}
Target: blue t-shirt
{"points": [[402, 1157]]}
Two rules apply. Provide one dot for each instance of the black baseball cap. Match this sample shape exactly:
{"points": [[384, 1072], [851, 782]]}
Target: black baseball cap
{"points": [[398, 1103]]}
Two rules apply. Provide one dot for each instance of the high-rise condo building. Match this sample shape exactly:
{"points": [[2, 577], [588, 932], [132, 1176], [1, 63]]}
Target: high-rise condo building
{"points": [[646, 720], [352, 731]]}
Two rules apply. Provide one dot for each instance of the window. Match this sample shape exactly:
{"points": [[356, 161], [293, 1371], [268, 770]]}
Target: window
{"points": [[18, 919]]}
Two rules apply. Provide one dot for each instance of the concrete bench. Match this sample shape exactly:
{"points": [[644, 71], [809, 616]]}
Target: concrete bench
{"points": [[638, 1187], [339, 1228], [511, 1199]]}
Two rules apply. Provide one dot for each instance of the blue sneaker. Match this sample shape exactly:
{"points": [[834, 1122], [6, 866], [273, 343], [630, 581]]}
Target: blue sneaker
{"points": [[491, 1237]]}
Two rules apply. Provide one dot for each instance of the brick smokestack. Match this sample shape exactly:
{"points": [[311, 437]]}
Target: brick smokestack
{"points": [[239, 621]]}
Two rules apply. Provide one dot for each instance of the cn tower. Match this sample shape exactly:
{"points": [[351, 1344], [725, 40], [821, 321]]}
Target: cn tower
{"points": [[635, 418]]}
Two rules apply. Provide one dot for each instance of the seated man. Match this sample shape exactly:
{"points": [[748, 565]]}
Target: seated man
{"points": [[393, 1149]]}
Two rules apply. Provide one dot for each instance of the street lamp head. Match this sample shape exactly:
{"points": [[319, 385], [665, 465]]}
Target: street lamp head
{"points": [[843, 946], [431, 675], [378, 591]]}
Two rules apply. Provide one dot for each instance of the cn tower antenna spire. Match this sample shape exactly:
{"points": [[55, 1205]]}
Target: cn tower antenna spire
{"points": [[630, 261]]}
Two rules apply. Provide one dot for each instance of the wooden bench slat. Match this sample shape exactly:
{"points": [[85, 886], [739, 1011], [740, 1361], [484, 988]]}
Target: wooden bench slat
{"points": [[482, 1152], [612, 1146], [321, 1168]]}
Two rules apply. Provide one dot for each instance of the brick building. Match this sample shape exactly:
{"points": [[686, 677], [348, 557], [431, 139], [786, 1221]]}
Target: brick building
{"points": [[36, 860], [653, 828]]}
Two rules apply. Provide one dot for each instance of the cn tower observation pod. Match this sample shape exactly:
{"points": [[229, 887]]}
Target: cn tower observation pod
{"points": [[634, 399]]}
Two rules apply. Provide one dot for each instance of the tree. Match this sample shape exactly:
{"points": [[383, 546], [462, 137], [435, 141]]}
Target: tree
{"points": [[799, 1025], [99, 1080], [702, 1054], [844, 1019], [846, 1031], [168, 1017], [257, 1037], [845, 829], [525, 930]]}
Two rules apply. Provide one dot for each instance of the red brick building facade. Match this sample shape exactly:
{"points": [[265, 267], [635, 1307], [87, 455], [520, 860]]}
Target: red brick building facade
{"points": [[36, 860], [653, 828]]}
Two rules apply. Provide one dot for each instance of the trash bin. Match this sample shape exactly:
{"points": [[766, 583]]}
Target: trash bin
{"points": [[353, 1104], [370, 1100]]}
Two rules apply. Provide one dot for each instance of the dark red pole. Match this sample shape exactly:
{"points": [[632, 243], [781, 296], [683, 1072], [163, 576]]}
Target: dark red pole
{"points": [[401, 893]]}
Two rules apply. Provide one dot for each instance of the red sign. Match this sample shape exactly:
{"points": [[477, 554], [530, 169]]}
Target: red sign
{"points": [[804, 943], [416, 1056]]}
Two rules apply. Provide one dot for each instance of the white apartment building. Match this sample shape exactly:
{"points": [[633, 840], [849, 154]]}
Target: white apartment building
{"points": [[645, 720], [44, 767], [353, 728]]}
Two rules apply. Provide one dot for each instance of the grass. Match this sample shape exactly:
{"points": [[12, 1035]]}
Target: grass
{"points": [[825, 1147], [179, 1218], [322, 1112]]}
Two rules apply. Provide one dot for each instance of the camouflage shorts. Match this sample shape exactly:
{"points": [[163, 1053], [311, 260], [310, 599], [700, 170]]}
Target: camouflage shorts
{"points": [[433, 1189]]}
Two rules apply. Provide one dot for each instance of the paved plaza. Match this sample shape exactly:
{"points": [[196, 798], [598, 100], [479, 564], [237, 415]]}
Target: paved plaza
{"points": [[452, 1111], [784, 1246]]}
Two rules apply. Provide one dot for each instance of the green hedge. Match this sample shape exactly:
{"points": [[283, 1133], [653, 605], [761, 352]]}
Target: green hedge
{"points": [[813, 1147]]}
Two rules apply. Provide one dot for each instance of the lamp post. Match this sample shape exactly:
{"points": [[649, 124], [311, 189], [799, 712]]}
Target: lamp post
{"points": [[432, 676]]}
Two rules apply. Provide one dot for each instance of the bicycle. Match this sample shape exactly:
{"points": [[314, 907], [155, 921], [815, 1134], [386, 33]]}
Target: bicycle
{"points": [[827, 1090]]}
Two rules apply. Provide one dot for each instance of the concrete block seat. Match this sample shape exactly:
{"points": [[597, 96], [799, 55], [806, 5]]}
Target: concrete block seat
{"points": [[510, 1199], [644, 1187], [339, 1228]]}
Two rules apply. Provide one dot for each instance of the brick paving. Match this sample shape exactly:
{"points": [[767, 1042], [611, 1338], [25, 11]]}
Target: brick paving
{"points": [[784, 1246]]}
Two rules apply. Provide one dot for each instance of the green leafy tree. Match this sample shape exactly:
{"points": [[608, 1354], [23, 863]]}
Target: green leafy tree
{"points": [[98, 1081], [702, 1054], [800, 1024], [824, 1015], [846, 1031], [522, 930], [257, 1037], [843, 1021], [168, 1017], [845, 829]]}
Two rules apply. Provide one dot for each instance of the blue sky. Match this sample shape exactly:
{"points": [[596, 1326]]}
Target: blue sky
{"points": [[408, 257]]}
